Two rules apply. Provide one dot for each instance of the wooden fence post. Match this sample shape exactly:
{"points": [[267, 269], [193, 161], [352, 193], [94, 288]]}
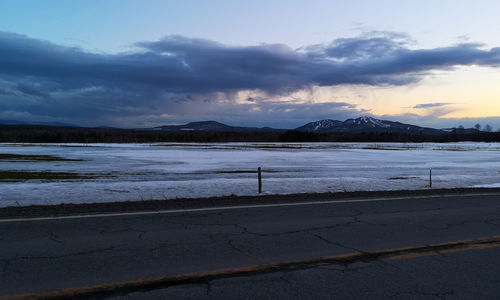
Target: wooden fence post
{"points": [[259, 172], [430, 178]]}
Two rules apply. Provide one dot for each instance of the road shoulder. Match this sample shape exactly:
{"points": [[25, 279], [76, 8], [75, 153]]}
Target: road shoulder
{"points": [[68, 209]]}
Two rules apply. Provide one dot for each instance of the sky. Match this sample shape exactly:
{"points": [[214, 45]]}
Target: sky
{"points": [[131, 63]]}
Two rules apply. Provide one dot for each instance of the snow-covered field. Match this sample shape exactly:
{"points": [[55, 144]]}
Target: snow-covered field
{"points": [[166, 171]]}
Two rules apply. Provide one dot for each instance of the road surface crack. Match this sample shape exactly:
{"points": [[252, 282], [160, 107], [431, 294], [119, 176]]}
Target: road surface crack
{"points": [[7, 262], [238, 249], [54, 237], [439, 295], [209, 288], [335, 243]]}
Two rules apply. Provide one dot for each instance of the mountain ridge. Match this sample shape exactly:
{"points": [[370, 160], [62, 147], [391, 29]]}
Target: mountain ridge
{"points": [[363, 124], [214, 126], [366, 124]]}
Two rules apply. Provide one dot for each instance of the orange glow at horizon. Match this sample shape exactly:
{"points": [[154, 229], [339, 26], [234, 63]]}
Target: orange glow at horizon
{"points": [[471, 91]]}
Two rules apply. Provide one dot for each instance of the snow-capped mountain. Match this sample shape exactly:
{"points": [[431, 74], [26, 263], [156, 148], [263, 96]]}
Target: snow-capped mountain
{"points": [[320, 126], [370, 122], [367, 125]]}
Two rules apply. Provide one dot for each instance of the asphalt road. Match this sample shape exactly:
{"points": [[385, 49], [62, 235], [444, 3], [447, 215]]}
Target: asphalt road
{"points": [[345, 249], [462, 275]]}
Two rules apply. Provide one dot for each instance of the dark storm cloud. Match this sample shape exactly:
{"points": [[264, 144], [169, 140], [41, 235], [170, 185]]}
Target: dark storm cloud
{"points": [[42, 78], [31, 90], [384, 61], [5, 92], [179, 64]]}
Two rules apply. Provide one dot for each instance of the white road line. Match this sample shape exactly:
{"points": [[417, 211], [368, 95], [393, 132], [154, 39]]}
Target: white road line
{"points": [[234, 207]]}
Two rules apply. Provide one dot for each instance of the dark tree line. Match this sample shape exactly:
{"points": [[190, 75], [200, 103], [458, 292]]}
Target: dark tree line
{"points": [[53, 134]]}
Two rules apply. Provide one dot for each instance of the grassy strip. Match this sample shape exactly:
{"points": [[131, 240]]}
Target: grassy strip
{"points": [[402, 178], [17, 176], [69, 209], [50, 145], [24, 157], [246, 171]]}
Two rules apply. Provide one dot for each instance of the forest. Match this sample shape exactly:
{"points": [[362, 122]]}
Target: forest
{"points": [[59, 134]]}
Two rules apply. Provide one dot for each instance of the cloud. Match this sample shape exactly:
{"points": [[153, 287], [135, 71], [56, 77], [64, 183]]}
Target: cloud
{"points": [[5, 92], [31, 90], [432, 105], [68, 83], [280, 114], [437, 109]]}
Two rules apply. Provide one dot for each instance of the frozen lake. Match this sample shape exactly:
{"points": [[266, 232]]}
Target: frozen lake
{"points": [[121, 172]]}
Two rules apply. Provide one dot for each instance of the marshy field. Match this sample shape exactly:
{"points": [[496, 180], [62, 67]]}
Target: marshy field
{"points": [[85, 173]]}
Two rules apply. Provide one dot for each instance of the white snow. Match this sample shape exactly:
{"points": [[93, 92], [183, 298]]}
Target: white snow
{"points": [[323, 124], [167, 171], [374, 122]]}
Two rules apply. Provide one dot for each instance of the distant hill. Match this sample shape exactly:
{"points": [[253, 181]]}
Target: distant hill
{"points": [[214, 126], [366, 125], [461, 130]]}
